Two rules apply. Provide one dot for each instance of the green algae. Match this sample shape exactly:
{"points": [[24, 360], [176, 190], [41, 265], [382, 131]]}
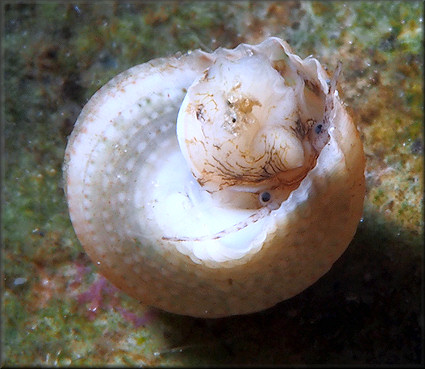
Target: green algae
{"points": [[46, 335], [366, 310]]}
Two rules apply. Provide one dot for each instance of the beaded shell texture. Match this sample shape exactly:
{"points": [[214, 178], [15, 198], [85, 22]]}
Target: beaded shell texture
{"points": [[216, 184]]}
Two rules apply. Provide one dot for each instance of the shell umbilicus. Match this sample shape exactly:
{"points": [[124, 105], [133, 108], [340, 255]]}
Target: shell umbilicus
{"points": [[214, 184]]}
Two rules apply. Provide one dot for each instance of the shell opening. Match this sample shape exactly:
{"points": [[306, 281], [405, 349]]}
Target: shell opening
{"points": [[250, 128]]}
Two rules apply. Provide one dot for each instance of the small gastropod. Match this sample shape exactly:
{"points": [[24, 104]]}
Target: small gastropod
{"points": [[214, 184]]}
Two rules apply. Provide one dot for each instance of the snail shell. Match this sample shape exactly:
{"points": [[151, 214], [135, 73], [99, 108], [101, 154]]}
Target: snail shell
{"points": [[214, 184]]}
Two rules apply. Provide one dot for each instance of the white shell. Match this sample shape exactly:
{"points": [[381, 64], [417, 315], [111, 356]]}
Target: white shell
{"points": [[167, 229]]}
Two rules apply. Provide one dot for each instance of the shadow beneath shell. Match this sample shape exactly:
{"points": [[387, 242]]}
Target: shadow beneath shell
{"points": [[366, 310]]}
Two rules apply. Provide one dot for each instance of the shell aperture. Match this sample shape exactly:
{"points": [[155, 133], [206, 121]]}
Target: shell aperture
{"points": [[216, 184]]}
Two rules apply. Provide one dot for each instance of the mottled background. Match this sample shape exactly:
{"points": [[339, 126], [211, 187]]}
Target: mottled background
{"points": [[58, 311]]}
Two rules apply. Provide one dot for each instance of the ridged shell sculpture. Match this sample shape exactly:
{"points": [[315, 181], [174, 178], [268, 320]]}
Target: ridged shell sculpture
{"points": [[215, 184]]}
